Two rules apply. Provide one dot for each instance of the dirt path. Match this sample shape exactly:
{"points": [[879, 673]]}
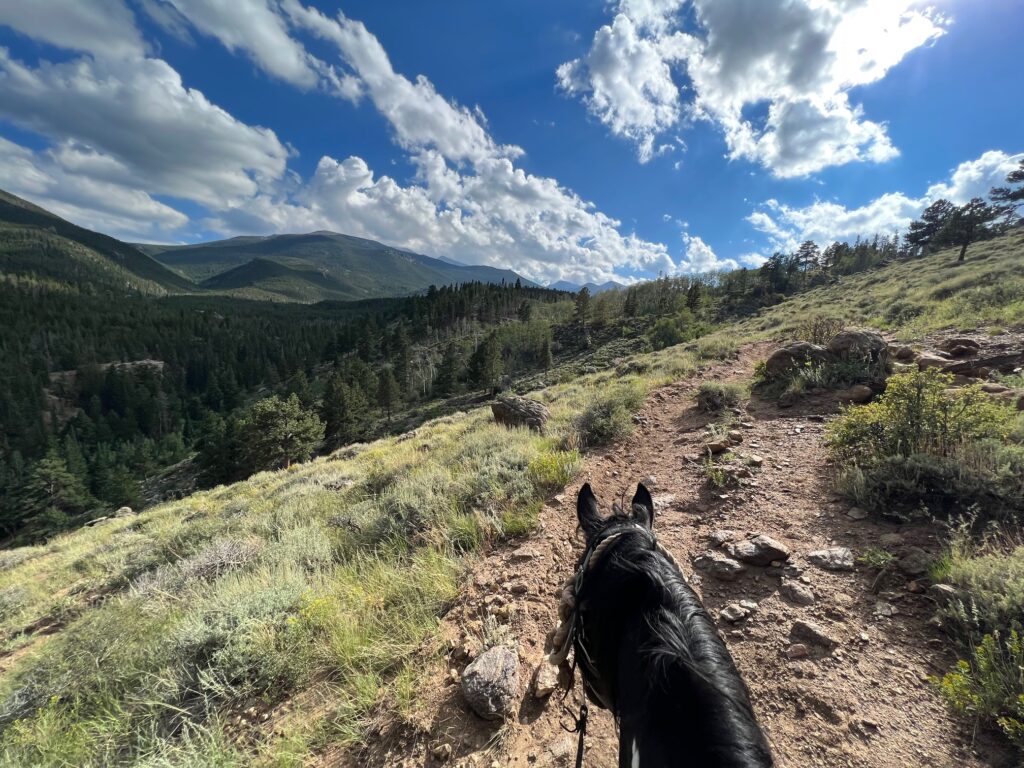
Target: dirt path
{"points": [[866, 704]]}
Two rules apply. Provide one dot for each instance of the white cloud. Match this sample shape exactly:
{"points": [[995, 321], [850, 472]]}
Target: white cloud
{"points": [[701, 258], [795, 60], [134, 123], [134, 127], [87, 201], [104, 28], [826, 221]]}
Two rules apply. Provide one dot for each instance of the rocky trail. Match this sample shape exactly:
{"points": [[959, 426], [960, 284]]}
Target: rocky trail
{"points": [[837, 664]]}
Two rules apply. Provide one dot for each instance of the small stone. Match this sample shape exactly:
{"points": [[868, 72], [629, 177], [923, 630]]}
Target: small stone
{"points": [[753, 460], [914, 562], [798, 593], [735, 436], [797, 651], [884, 609], [856, 513], [718, 565], [545, 680], [123, 512], [524, 554], [715, 447], [650, 481], [858, 393], [916, 587], [720, 537], [890, 540], [812, 634], [942, 593], [760, 550], [833, 558], [734, 613]]}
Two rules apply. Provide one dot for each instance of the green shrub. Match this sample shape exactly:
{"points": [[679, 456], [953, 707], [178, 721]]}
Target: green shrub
{"points": [[922, 445], [989, 685], [610, 416], [714, 396], [666, 333], [553, 469], [819, 329]]}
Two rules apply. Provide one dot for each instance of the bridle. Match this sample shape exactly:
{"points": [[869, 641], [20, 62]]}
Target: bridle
{"points": [[570, 633]]}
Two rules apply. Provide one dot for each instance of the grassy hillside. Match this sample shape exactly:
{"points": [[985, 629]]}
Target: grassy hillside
{"points": [[147, 639], [34, 241], [317, 266]]}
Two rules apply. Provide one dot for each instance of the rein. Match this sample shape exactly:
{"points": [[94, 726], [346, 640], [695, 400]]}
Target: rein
{"points": [[569, 633]]}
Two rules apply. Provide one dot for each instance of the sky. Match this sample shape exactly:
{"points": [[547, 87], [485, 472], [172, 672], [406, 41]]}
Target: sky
{"points": [[590, 140]]}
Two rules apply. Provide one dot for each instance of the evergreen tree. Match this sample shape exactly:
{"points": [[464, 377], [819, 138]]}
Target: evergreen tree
{"points": [[923, 232], [968, 224], [275, 433], [1011, 197], [340, 411], [450, 371], [387, 392], [485, 366], [582, 309]]}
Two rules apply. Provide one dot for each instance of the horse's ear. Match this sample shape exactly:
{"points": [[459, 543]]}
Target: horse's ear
{"points": [[643, 506], [587, 511]]}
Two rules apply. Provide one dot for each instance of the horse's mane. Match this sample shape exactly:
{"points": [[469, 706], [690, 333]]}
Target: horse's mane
{"points": [[684, 649]]}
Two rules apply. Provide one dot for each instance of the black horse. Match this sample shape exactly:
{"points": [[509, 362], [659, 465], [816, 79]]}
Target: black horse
{"points": [[649, 652]]}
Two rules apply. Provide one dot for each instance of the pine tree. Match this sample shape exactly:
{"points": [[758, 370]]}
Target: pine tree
{"points": [[387, 392], [275, 433], [923, 232], [485, 367], [450, 371], [582, 309], [340, 411]]}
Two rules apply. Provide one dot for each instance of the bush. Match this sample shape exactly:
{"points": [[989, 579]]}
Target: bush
{"points": [[924, 445], [713, 396], [819, 329], [610, 416]]}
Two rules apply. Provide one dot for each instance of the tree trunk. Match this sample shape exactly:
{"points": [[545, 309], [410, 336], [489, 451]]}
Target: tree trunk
{"points": [[963, 252]]}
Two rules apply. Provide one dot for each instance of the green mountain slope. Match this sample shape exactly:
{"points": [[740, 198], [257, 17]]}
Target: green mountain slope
{"points": [[35, 242], [320, 265]]}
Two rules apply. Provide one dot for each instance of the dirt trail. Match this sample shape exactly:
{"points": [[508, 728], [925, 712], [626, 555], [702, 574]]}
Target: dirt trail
{"points": [[867, 704]]}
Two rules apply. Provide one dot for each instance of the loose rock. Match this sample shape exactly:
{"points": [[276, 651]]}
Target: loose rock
{"points": [[914, 562], [811, 634], [545, 680], [734, 613], [833, 558], [797, 593], [761, 550], [856, 513], [490, 684], [719, 566]]}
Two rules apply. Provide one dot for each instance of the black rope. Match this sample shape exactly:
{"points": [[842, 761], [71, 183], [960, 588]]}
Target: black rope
{"points": [[581, 727]]}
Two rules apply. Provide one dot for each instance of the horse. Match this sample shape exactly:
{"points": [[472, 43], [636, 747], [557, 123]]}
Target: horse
{"points": [[648, 651]]}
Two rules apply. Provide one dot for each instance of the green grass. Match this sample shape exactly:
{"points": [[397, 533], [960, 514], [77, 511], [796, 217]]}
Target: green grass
{"points": [[331, 575]]}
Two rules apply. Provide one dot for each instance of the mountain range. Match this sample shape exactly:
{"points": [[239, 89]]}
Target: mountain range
{"points": [[565, 285], [305, 268]]}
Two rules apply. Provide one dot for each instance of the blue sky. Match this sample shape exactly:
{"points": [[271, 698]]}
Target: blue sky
{"points": [[585, 140]]}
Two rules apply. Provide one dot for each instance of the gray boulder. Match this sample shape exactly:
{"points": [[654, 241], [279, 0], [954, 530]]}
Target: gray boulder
{"points": [[514, 411], [859, 344], [719, 566], [792, 356], [490, 684]]}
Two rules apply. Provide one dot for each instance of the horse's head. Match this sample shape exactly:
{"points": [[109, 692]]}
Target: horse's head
{"points": [[594, 524]]}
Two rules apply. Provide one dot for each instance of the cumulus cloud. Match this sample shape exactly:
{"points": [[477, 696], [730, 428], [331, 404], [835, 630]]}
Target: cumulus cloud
{"points": [[134, 123], [104, 28], [701, 258], [826, 221], [792, 62], [133, 127], [90, 202]]}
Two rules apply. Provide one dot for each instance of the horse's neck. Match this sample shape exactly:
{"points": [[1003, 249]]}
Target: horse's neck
{"points": [[669, 714]]}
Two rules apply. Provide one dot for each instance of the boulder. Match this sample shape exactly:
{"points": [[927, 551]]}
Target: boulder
{"points": [[720, 537], [795, 355], [901, 352], [490, 684], [833, 558], [960, 347], [857, 513], [514, 411], [859, 344], [124, 512], [943, 594], [719, 566], [928, 360], [760, 550]]}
